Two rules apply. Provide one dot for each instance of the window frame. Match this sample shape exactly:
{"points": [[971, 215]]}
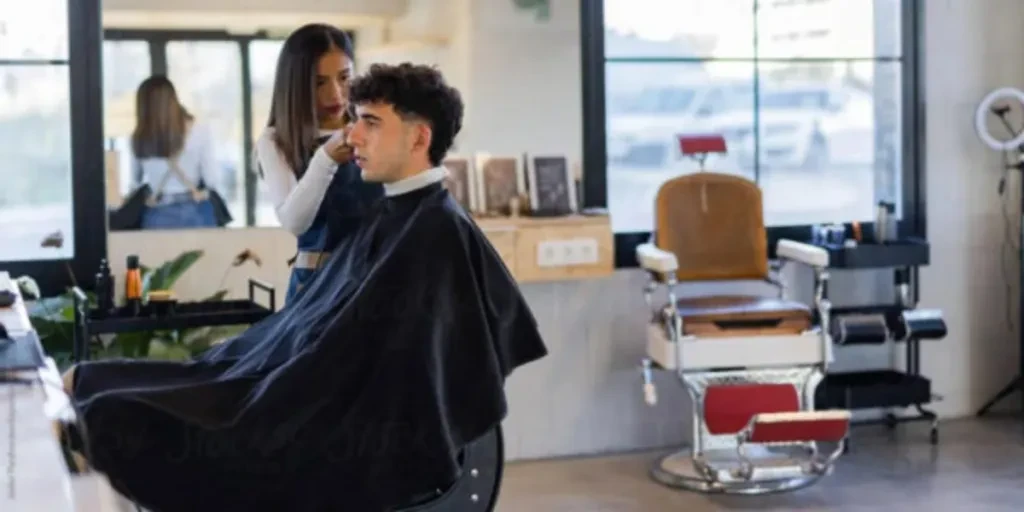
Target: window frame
{"points": [[89, 213], [595, 156]]}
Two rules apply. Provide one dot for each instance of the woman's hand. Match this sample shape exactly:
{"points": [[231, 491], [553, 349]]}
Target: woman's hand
{"points": [[336, 147]]}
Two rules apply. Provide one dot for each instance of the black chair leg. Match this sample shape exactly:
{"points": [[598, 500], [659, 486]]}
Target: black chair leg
{"points": [[480, 484]]}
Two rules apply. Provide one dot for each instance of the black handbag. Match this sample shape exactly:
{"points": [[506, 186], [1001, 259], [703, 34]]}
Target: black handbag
{"points": [[220, 207], [128, 216]]}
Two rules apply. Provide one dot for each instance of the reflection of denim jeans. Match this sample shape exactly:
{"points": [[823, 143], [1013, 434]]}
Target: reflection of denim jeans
{"points": [[178, 215]]}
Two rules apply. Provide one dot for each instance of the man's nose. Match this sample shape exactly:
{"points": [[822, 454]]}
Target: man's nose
{"points": [[354, 137]]}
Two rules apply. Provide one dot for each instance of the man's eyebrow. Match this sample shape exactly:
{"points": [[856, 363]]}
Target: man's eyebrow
{"points": [[367, 115]]}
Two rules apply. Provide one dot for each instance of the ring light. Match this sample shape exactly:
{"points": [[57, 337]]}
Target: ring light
{"points": [[985, 108]]}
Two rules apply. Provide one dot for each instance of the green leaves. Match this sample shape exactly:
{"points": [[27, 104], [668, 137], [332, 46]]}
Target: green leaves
{"points": [[166, 275]]}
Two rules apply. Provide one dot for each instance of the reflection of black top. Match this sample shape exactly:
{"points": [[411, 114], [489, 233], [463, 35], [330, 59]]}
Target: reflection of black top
{"points": [[357, 397]]}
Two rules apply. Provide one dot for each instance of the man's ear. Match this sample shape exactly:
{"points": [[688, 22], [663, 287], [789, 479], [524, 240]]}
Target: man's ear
{"points": [[423, 136]]}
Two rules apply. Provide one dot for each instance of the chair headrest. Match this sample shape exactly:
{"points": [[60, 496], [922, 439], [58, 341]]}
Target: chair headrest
{"points": [[691, 145]]}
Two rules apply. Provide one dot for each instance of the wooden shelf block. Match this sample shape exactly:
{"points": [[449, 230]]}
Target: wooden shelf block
{"points": [[539, 249]]}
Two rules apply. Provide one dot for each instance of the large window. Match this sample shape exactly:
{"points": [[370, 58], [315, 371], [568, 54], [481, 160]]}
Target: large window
{"points": [[35, 132], [52, 225], [815, 99]]}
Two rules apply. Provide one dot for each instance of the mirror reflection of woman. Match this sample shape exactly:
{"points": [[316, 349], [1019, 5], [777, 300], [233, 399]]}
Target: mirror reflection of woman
{"points": [[175, 155], [311, 179]]}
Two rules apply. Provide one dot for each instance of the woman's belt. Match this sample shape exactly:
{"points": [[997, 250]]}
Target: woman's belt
{"points": [[310, 259]]}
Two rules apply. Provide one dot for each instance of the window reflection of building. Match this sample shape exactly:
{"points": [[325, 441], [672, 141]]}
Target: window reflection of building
{"points": [[806, 92], [35, 132]]}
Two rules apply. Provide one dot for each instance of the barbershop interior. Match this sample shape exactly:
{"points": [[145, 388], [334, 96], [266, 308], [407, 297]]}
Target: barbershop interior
{"points": [[511, 255]]}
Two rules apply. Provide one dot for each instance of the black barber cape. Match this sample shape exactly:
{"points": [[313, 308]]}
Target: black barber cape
{"points": [[355, 397]]}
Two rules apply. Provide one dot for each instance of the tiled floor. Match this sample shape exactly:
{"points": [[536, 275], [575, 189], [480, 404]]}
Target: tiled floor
{"points": [[977, 466]]}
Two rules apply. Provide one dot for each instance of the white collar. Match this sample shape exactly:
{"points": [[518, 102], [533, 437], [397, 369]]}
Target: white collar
{"points": [[416, 181]]}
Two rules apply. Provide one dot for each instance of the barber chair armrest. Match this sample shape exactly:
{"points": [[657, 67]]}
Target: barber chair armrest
{"points": [[810, 255], [655, 260]]}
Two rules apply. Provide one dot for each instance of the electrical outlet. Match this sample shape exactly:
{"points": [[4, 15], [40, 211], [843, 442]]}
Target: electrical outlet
{"points": [[549, 253], [562, 253], [568, 252], [586, 251]]}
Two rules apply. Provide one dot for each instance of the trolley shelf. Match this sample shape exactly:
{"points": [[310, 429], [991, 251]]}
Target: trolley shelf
{"points": [[186, 315], [900, 253], [183, 315], [872, 389]]}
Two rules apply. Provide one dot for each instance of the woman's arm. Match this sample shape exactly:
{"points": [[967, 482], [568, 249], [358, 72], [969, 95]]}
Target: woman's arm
{"points": [[296, 202]]}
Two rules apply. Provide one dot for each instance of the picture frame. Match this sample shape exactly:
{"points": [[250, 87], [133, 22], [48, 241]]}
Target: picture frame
{"points": [[461, 181], [500, 184], [552, 186]]}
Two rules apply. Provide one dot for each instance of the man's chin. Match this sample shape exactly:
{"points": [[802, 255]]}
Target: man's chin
{"points": [[368, 175]]}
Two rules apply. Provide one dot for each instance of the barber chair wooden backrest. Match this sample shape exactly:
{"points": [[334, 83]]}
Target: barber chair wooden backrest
{"points": [[714, 224]]}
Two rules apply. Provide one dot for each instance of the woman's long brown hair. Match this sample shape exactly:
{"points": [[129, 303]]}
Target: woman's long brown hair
{"points": [[293, 103], [161, 122]]}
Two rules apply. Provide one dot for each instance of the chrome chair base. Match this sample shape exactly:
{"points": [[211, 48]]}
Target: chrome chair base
{"points": [[681, 471]]}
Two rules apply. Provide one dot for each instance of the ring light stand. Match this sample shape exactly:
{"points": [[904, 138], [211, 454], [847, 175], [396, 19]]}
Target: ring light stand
{"points": [[988, 106], [996, 103]]}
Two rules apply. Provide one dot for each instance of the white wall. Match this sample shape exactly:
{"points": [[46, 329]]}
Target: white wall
{"points": [[522, 81], [972, 49]]}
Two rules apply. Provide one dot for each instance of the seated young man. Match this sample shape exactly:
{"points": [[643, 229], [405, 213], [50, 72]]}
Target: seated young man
{"points": [[359, 396]]}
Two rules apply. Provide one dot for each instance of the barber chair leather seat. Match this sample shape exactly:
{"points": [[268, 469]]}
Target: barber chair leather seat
{"points": [[732, 315]]}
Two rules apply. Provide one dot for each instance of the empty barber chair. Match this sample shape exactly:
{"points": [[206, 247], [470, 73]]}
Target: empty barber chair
{"points": [[751, 364]]}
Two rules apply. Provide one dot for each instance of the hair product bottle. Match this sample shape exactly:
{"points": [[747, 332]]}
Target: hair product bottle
{"points": [[133, 286]]}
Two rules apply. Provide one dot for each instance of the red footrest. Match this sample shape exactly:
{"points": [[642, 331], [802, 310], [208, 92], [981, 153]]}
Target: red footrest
{"points": [[793, 427]]}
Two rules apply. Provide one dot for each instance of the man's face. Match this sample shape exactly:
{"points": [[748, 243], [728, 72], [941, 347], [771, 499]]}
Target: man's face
{"points": [[383, 142]]}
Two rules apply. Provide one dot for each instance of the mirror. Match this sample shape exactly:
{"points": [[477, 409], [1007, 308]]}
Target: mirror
{"points": [[213, 73], [222, 68]]}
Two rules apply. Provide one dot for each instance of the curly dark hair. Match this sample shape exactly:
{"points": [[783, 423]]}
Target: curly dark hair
{"points": [[415, 92]]}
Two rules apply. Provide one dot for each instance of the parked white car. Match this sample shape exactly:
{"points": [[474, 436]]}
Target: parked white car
{"points": [[643, 129], [807, 127]]}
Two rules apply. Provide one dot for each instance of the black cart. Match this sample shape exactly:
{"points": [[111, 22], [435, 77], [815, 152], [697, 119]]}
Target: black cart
{"points": [[897, 322]]}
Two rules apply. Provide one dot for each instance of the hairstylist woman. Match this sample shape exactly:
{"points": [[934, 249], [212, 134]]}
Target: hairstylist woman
{"points": [[175, 156], [314, 185]]}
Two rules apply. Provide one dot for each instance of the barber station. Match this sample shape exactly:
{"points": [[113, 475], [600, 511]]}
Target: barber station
{"points": [[519, 255]]}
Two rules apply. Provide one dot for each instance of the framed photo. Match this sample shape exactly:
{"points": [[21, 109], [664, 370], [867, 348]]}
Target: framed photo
{"points": [[552, 186], [461, 181], [500, 183]]}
